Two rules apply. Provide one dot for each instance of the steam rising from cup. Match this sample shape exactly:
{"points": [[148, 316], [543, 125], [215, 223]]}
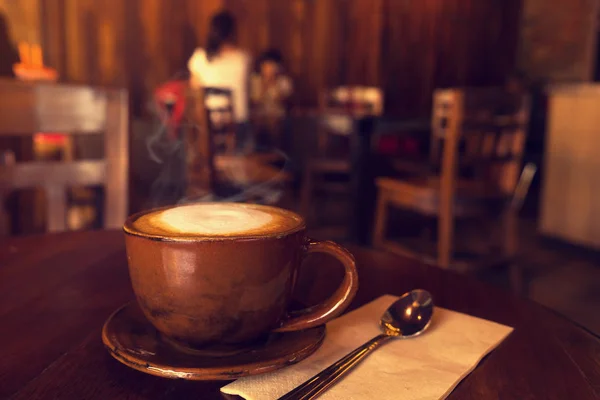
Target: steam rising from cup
{"points": [[171, 185]]}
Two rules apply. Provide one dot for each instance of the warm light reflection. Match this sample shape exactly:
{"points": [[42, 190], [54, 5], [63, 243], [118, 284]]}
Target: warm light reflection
{"points": [[408, 312]]}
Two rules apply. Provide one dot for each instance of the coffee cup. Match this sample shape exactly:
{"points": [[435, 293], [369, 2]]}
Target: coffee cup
{"points": [[224, 273]]}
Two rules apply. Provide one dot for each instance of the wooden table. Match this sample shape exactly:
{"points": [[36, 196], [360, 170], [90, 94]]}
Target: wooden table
{"points": [[57, 290]]}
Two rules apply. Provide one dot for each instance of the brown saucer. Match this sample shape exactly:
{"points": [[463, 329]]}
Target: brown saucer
{"points": [[132, 340]]}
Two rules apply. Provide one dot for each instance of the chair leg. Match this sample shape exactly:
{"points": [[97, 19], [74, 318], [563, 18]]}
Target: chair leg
{"points": [[57, 208], [230, 143], [510, 232], [381, 214], [4, 216], [322, 140], [445, 239], [306, 194]]}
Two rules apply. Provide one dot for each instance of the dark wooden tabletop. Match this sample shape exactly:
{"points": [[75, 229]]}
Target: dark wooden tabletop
{"points": [[56, 291]]}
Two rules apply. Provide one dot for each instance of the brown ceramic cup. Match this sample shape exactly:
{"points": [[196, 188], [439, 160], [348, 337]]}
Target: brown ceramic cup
{"points": [[209, 290]]}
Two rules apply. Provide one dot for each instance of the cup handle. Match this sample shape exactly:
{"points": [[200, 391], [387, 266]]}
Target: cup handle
{"points": [[339, 300]]}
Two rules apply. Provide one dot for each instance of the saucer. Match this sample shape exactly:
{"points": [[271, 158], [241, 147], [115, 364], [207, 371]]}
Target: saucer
{"points": [[132, 340]]}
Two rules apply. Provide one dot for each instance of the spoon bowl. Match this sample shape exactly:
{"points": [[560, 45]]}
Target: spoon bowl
{"points": [[408, 316]]}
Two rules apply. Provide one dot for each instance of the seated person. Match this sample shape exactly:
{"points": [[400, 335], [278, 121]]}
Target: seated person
{"points": [[270, 92], [224, 65]]}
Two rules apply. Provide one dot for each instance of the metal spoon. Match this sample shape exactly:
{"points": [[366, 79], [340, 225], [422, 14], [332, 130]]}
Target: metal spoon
{"points": [[408, 317]]}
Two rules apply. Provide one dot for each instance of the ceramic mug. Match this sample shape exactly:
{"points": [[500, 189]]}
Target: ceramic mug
{"points": [[202, 289]]}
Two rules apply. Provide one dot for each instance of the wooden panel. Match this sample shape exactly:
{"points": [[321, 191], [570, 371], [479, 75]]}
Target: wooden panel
{"points": [[199, 14], [408, 47], [70, 109], [57, 208], [110, 29], [76, 55], [28, 175], [27, 108], [153, 42], [116, 143], [570, 207], [52, 27], [16, 111], [364, 22], [324, 62], [558, 39], [24, 16], [444, 44], [252, 17]]}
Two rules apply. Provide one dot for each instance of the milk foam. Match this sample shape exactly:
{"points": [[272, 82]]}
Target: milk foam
{"points": [[213, 219]]}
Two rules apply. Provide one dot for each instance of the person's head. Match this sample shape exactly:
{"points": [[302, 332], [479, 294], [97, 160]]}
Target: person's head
{"points": [[270, 63], [222, 31]]}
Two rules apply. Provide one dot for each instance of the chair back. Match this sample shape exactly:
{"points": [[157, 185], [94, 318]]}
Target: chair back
{"points": [[218, 103], [30, 108], [209, 134], [210, 173], [199, 144], [479, 135], [354, 100]]}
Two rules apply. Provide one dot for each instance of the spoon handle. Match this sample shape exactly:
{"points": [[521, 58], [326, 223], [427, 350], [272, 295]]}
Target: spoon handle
{"points": [[324, 379]]}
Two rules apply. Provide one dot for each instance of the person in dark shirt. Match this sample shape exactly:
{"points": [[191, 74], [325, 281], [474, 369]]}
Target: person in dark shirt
{"points": [[270, 92], [271, 88]]}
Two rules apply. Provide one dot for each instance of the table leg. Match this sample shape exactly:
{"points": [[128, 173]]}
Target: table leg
{"points": [[4, 216], [363, 182]]}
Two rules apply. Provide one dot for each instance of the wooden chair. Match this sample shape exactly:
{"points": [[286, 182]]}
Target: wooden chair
{"points": [[237, 177], [28, 108], [339, 109], [478, 137], [220, 118], [269, 128]]}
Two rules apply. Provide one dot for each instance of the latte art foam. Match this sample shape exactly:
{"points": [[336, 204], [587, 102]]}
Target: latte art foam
{"points": [[217, 220], [213, 219]]}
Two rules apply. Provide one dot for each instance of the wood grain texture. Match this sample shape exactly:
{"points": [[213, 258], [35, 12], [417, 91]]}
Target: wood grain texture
{"points": [[116, 151], [407, 47], [24, 15], [558, 40], [27, 175], [27, 108], [56, 291]]}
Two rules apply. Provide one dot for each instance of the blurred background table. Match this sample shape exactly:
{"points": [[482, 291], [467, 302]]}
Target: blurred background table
{"points": [[56, 291]]}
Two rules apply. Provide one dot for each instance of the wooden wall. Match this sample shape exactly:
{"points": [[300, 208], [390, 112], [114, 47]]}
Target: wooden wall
{"points": [[24, 16], [558, 40], [407, 46]]}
